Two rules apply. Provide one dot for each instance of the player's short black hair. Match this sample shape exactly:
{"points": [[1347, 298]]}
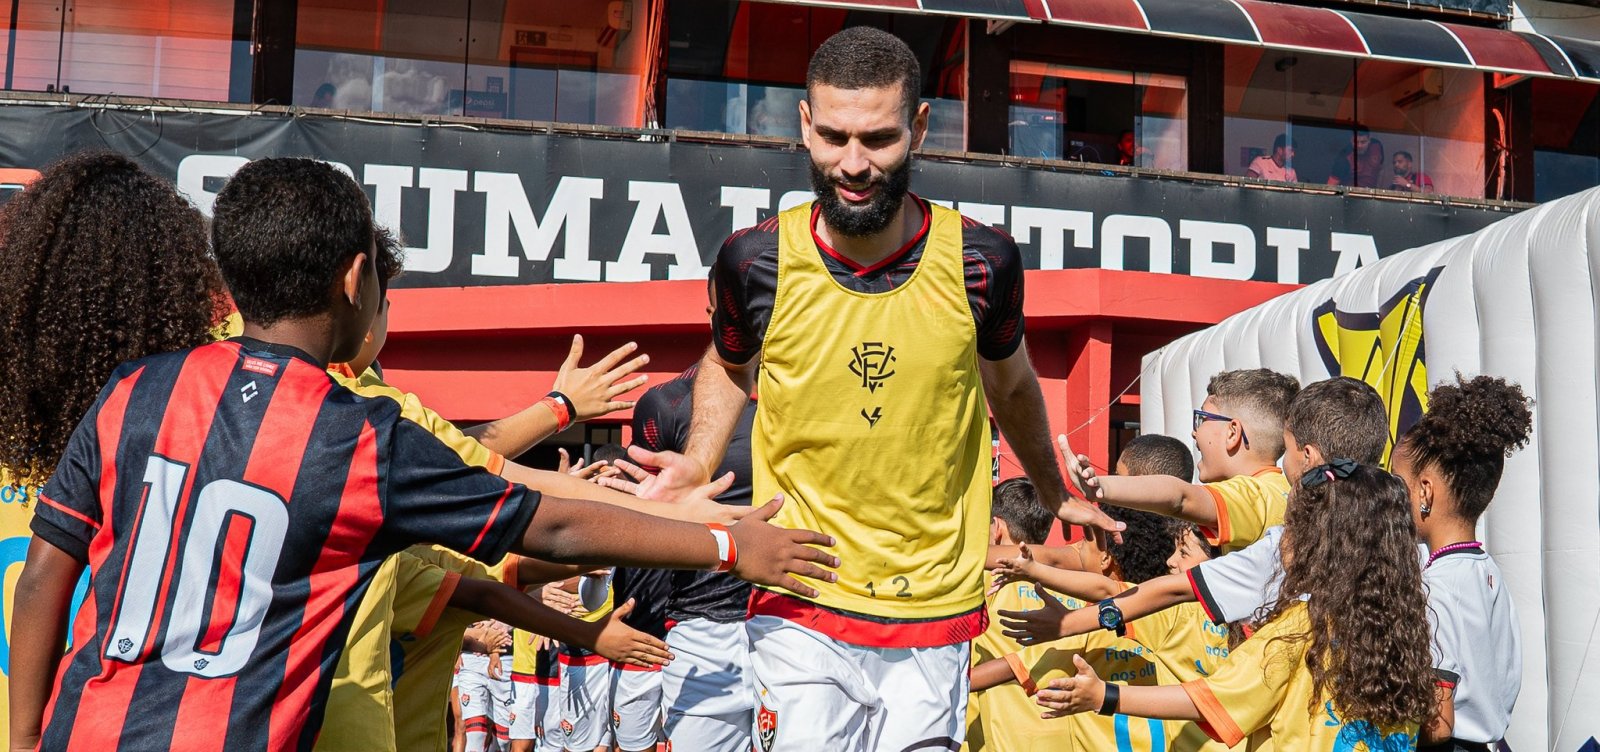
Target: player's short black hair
{"points": [[1341, 417], [1258, 398], [1147, 543], [1282, 141], [1154, 454], [1406, 154], [862, 57], [1016, 502], [608, 453], [282, 229]]}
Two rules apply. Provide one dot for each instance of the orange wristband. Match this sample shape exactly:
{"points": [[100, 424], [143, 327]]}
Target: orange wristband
{"points": [[563, 416]]}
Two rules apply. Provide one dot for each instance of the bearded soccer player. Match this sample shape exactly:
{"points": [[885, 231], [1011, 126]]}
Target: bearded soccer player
{"points": [[232, 504], [874, 323]]}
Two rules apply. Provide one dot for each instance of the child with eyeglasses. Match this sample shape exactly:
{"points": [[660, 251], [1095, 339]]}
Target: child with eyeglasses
{"points": [[1341, 661], [1242, 492]]}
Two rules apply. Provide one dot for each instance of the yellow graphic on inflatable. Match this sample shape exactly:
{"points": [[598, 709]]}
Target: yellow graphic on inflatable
{"points": [[1385, 349]]}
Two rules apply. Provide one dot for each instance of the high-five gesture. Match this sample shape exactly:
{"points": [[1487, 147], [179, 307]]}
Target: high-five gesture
{"points": [[1081, 693], [770, 555], [1038, 626], [594, 390], [1080, 473]]}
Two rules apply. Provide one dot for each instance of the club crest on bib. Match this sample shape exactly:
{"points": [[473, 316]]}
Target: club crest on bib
{"points": [[766, 726]]}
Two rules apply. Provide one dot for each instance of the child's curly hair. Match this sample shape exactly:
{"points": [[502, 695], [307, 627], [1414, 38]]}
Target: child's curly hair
{"points": [[1350, 548], [101, 263], [1471, 427]]}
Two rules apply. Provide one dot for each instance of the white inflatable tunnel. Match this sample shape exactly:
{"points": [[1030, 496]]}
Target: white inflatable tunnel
{"points": [[1519, 299]]}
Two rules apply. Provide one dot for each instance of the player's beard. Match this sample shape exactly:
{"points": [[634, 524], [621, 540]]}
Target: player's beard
{"points": [[866, 219]]}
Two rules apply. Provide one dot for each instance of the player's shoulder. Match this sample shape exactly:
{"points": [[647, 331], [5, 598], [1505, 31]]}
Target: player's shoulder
{"points": [[746, 245], [990, 242]]}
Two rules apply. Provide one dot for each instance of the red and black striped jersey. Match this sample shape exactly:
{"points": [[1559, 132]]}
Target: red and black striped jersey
{"points": [[232, 503]]}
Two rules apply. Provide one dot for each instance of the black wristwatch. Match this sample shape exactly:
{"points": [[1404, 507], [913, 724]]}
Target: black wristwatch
{"points": [[1111, 617], [1108, 706]]}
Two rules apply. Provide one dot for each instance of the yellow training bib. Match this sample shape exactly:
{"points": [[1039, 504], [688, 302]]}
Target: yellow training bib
{"points": [[872, 424]]}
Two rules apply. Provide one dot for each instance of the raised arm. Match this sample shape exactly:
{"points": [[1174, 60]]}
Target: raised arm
{"points": [[1085, 586], [1054, 622], [1018, 407], [608, 637], [1162, 494], [1085, 692], [593, 392]]}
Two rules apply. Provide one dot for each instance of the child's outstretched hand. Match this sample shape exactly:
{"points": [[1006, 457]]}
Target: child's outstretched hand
{"points": [[1038, 626], [769, 555], [1075, 694], [1018, 569], [1079, 472], [621, 643], [594, 390]]}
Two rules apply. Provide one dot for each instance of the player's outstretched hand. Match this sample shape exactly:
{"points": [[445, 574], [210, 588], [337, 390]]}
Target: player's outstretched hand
{"points": [[1081, 693], [676, 479], [555, 597], [699, 505], [770, 555], [1018, 569], [1037, 626], [594, 390], [621, 643], [1082, 477]]}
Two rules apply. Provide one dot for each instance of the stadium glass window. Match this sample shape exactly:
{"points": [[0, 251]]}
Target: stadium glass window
{"points": [[740, 67], [577, 61], [1566, 138], [1432, 118], [1105, 116], [172, 49]]}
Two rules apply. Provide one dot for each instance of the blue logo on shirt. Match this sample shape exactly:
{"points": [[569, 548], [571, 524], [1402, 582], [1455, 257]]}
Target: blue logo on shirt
{"points": [[1362, 736]]}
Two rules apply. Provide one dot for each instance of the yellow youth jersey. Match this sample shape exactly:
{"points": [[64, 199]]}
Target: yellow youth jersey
{"points": [[423, 664], [524, 658], [406, 597], [1246, 506], [1007, 719], [369, 384], [1189, 646], [1265, 684], [16, 513], [873, 425], [1118, 659]]}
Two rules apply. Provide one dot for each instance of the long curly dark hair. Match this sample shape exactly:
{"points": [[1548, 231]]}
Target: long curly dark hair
{"points": [[1350, 546], [1146, 544], [1472, 426], [101, 263]]}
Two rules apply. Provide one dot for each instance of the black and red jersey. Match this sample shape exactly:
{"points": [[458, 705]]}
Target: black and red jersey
{"points": [[232, 502], [746, 273], [661, 423]]}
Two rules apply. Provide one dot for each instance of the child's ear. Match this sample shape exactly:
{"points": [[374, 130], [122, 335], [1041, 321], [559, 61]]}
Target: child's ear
{"points": [[997, 530], [353, 277]]}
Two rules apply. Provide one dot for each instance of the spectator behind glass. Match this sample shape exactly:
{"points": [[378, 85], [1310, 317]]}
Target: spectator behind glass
{"points": [[1276, 166], [324, 96], [1407, 177], [1130, 154], [1364, 157]]}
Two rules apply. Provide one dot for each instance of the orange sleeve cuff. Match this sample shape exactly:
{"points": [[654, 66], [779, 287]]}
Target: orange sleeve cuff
{"points": [[1020, 671], [509, 575], [496, 463], [1217, 723], [441, 599], [1224, 531]]}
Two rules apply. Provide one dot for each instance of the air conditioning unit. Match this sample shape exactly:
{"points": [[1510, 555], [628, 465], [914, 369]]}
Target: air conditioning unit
{"points": [[1424, 86]]}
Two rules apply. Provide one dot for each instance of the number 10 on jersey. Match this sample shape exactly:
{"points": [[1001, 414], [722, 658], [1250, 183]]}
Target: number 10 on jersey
{"points": [[235, 535]]}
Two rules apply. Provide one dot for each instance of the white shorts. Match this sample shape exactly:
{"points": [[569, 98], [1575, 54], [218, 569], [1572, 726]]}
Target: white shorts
{"points": [[635, 708], [486, 704], [707, 692], [585, 702], [818, 693], [534, 698]]}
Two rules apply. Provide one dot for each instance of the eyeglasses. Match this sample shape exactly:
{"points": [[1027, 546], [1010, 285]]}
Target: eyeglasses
{"points": [[1201, 416]]}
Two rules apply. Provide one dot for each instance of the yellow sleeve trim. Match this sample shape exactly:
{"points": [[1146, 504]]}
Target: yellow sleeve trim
{"points": [[1217, 723], [441, 599]]}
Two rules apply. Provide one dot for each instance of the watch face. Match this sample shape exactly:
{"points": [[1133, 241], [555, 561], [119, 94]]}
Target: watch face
{"points": [[1108, 619]]}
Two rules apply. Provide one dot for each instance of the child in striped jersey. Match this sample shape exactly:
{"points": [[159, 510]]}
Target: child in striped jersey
{"points": [[1451, 461]]}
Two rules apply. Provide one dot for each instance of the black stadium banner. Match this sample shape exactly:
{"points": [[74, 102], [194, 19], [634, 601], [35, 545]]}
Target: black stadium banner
{"points": [[506, 207]]}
